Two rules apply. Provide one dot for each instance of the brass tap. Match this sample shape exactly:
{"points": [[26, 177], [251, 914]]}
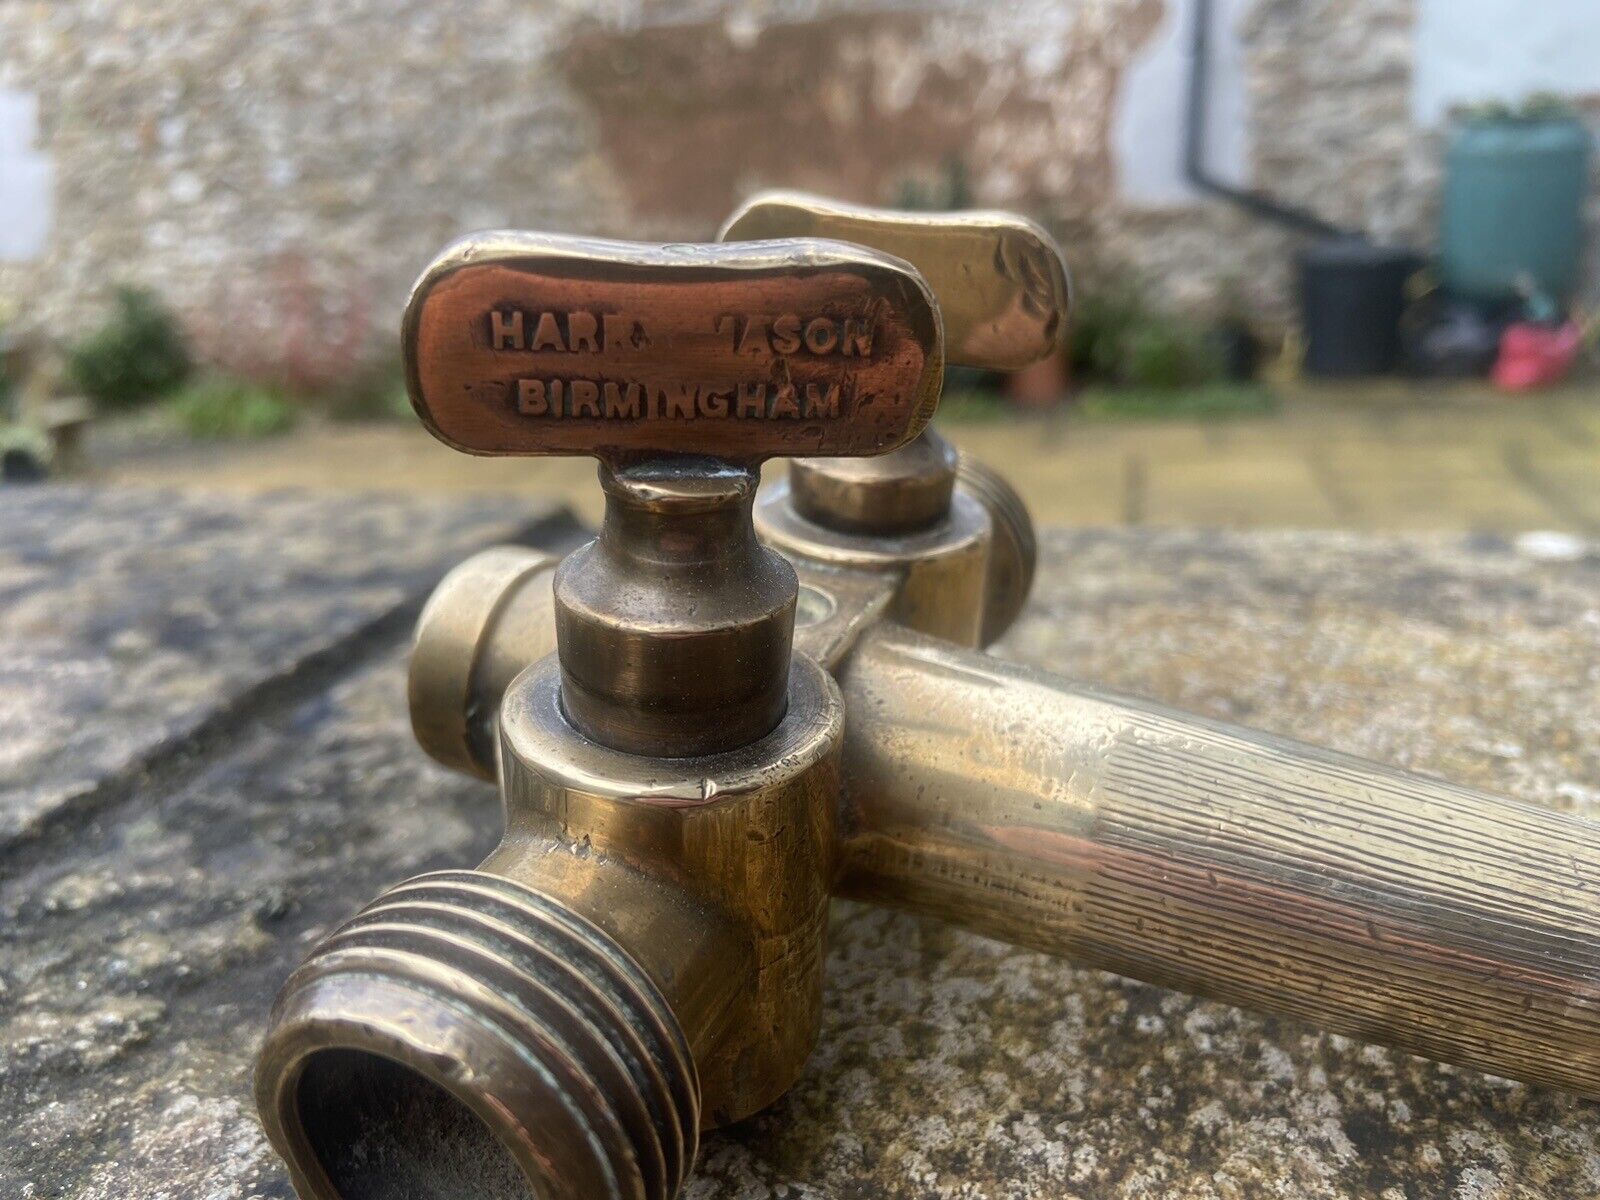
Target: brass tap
{"points": [[699, 740], [643, 952]]}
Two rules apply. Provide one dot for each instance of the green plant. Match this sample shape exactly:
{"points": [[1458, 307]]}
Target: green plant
{"points": [[972, 406], [1116, 337], [950, 191], [376, 395], [219, 407], [1208, 402], [1097, 333], [14, 435], [137, 355], [25, 453], [8, 386], [1166, 353]]}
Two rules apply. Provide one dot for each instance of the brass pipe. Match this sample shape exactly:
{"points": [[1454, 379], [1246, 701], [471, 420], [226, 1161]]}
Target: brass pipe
{"points": [[1216, 860], [487, 620], [1222, 861]]}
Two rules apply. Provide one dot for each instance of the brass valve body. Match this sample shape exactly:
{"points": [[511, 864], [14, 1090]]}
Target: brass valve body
{"points": [[744, 838], [642, 955], [643, 952]]}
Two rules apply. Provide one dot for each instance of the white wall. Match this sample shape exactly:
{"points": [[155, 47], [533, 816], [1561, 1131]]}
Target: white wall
{"points": [[26, 179], [1147, 134], [1474, 50]]}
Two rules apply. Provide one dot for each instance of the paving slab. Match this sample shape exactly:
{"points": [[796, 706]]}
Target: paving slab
{"points": [[131, 620], [139, 949], [1394, 456], [1224, 491]]}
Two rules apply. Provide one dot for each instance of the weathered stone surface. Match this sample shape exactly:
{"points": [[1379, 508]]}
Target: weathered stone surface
{"points": [[141, 950], [132, 620]]}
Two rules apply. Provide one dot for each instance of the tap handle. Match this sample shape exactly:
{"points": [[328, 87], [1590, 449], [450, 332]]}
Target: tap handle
{"points": [[999, 278], [536, 344]]}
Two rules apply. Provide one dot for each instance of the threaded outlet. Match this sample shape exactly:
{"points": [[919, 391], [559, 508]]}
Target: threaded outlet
{"points": [[1014, 553], [464, 1036]]}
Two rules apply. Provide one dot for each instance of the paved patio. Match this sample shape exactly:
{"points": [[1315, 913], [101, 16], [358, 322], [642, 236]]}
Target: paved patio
{"points": [[1378, 458]]}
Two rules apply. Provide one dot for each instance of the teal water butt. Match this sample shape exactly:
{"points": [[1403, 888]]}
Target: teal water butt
{"points": [[1513, 207]]}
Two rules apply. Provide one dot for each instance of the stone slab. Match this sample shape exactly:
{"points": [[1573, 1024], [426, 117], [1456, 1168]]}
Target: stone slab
{"points": [[141, 953], [130, 620]]}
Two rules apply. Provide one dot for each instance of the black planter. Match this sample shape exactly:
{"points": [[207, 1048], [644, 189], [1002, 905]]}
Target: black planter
{"points": [[1352, 296]]}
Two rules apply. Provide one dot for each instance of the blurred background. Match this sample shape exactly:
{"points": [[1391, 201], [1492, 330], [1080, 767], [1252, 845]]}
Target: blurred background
{"points": [[1334, 260]]}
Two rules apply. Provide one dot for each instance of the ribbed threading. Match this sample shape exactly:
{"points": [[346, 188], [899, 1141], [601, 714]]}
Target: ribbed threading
{"points": [[536, 1003]]}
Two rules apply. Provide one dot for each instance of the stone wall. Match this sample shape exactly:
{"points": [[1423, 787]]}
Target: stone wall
{"points": [[280, 170]]}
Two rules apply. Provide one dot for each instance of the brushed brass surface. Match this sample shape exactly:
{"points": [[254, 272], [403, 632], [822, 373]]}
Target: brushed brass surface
{"points": [[674, 625], [486, 621], [525, 343], [1001, 284], [904, 490], [1221, 861]]}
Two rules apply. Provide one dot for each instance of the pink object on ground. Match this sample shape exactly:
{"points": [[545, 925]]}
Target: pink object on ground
{"points": [[1533, 356]]}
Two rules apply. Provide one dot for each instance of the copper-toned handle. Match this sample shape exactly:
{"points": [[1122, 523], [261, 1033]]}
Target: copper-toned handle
{"points": [[1233, 864], [527, 343]]}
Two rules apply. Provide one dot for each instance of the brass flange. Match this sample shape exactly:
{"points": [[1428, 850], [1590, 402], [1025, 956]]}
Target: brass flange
{"points": [[901, 492], [940, 568]]}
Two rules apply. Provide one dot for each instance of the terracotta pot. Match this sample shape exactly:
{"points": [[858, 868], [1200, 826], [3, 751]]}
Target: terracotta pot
{"points": [[1042, 385]]}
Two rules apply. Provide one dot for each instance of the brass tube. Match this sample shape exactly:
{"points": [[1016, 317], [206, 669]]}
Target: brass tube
{"points": [[1221, 861], [1225, 862]]}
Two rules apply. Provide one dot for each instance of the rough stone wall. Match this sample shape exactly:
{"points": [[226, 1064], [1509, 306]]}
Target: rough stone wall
{"points": [[1330, 131], [280, 170]]}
